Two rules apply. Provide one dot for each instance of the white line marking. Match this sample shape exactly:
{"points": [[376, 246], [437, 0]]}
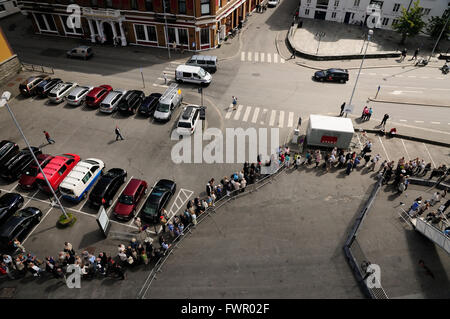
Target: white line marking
{"points": [[269, 58], [435, 122], [262, 57], [256, 56], [281, 120], [178, 63], [441, 89], [230, 110], [161, 86], [398, 76], [238, 112], [32, 196], [418, 121], [275, 58], [281, 60], [12, 189], [429, 155], [384, 149], [255, 115], [407, 154], [263, 115], [272, 117], [372, 74], [242, 56], [411, 76], [403, 120], [246, 114], [424, 77], [291, 119], [249, 56]]}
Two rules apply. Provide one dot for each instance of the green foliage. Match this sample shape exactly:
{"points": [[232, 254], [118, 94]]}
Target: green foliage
{"points": [[65, 222], [410, 23], [436, 25]]}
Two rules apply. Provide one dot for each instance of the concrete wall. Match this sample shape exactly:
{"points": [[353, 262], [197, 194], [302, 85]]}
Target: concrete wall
{"points": [[10, 8], [8, 68]]}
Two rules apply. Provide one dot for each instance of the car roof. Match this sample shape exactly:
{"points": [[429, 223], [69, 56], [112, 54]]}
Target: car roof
{"points": [[110, 96], [78, 89], [132, 186], [96, 90], [79, 171], [337, 70], [188, 112], [55, 164], [204, 57]]}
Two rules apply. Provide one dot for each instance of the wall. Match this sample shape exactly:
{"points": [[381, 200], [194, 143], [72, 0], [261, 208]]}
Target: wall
{"points": [[9, 63]]}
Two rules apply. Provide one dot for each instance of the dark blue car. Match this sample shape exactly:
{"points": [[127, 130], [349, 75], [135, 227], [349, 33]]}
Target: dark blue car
{"points": [[148, 106]]}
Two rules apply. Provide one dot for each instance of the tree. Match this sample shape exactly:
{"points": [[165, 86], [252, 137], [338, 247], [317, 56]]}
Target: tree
{"points": [[436, 25], [410, 23]]}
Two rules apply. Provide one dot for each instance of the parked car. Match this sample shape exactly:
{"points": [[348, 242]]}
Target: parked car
{"points": [[7, 150], [206, 62], [337, 75], [81, 178], [18, 226], [60, 91], [112, 100], [157, 200], [149, 104], [45, 86], [28, 87], [82, 51], [9, 204], [28, 178], [56, 170], [188, 120], [78, 94], [131, 101], [13, 168], [129, 199], [273, 3], [107, 187], [97, 94]]}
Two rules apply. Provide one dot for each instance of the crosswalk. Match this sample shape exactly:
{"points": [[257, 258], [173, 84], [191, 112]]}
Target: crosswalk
{"points": [[261, 57], [167, 75], [262, 116]]}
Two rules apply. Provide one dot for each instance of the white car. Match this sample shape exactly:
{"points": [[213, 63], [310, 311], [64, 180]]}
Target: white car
{"points": [[111, 101], [273, 3], [78, 94], [189, 119], [60, 91]]}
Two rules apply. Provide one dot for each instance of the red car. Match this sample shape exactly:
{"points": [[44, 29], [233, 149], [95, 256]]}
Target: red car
{"points": [[97, 94], [28, 178], [129, 199], [56, 170]]}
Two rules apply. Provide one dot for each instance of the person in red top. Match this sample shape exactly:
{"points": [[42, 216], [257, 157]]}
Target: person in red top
{"points": [[47, 136]]}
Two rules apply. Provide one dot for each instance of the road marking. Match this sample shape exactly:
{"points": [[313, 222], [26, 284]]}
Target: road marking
{"points": [[238, 112], [247, 113], [281, 119], [291, 119], [435, 122], [34, 228], [439, 78], [418, 121], [256, 112], [160, 85], [272, 117], [178, 63], [262, 57], [264, 115], [187, 194], [242, 56], [384, 74], [281, 60], [32, 196], [441, 89], [403, 120], [275, 58], [411, 76], [404, 146], [269, 58], [256, 56], [230, 110], [249, 56], [429, 155], [384, 149], [424, 77], [12, 189], [372, 74], [399, 76]]}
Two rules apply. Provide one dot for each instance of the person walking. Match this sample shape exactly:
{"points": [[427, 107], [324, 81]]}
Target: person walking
{"points": [[369, 114], [416, 53], [234, 102], [404, 52], [138, 223], [318, 157], [364, 113], [342, 109], [49, 139], [118, 134], [385, 118]]}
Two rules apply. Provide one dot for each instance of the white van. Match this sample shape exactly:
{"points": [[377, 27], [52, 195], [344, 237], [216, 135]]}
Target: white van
{"points": [[192, 74], [170, 100], [81, 178]]}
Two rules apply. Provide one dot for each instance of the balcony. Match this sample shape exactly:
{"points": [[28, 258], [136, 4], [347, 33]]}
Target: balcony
{"points": [[101, 13]]}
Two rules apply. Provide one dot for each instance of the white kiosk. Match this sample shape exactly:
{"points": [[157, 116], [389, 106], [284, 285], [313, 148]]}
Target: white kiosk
{"points": [[328, 131]]}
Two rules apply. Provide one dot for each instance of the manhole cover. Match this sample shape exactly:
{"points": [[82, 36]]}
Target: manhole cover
{"points": [[256, 74], [7, 292], [53, 52]]}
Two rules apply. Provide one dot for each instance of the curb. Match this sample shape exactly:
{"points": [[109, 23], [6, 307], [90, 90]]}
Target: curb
{"points": [[428, 183], [406, 103]]}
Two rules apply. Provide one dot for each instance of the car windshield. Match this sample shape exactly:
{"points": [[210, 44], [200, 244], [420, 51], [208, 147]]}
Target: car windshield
{"points": [[163, 107], [150, 209], [202, 73], [184, 124], [126, 199]]}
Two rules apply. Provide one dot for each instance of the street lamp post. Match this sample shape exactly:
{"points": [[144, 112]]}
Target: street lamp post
{"points": [[165, 27], [369, 36], [4, 102], [319, 35]]}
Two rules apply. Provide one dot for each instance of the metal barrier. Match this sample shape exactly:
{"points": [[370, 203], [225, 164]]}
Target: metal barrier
{"points": [[207, 213], [37, 68]]}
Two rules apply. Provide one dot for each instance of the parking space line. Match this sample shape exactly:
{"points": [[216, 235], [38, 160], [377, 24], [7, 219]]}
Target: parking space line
{"points": [[291, 119], [256, 57], [256, 112], [407, 154], [384, 149], [23, 242], [187, 193], [264, 115], [238, 112], [262, 57], [426, 148], [12, 189], [230, 110], [281, 119], [246, 114], [249, 56], [32, 197], [242, 56], [435, 122]]}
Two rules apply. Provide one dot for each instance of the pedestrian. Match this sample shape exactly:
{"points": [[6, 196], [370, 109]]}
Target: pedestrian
{"points": [[117, 131], [427, 270], [374, 162], [349, 167], [369, 114], [342, 109], [234, 102], [47, 136], [163, 220], [68, 248], [364, 112], [385, 118], [138, 223], [258, 8], [404, 52], [18, 245], [297, 161], [318, 157], [287, 161], [416, 53]]}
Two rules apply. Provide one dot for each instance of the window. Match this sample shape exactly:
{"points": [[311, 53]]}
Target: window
{"points": [[356, 3], [377, 2], [426, 11], [86, 177], [308, 1], [62, 170], [307, 12], [140, 33], [204, 7], [394, 21], [51, 22], [108, 3], [204, 36], [182, 6], [149, 5], [220, 3], [385, 21], [15, 3], [151, 33], [336, 3], [45, 22], [396, 7], [333, 15], [40, 20], [171, 35], [134, 5], [187, 75], [183, 36]]}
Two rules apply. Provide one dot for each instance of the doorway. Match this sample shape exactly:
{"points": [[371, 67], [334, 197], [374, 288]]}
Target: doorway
{"points": [[347, 17], [320, 15]]}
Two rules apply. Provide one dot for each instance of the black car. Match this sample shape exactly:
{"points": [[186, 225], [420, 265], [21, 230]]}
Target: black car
{"points": [[46, 86], [131, 101], [18, 226], [332, 75], [9, 203], [16, 165], [7, 150], [148, 106], [157, 200], [107, 186]]}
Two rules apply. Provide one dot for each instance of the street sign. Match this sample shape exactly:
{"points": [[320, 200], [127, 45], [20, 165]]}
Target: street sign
{"points": [[348, 109], [200, 90], [103, 221], [203, 113]]}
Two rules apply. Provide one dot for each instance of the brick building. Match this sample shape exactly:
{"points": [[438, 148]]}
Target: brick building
{"points": [[191, 24]]}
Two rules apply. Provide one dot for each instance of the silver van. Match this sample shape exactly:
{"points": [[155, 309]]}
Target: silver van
{"points": [[192, 74], [207, 62], [170, 100], [83, 52]]}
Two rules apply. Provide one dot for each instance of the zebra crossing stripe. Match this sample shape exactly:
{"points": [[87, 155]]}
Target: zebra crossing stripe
{"points": [[249, 56], [272, 117], [269, 58], [230, 110], [263, 116], [275, 58], [256, 56], [238, 112], [262, 57], [281, 119], [242, 56], [247, 113], [281, 60], [291, 119], [255, 115]]}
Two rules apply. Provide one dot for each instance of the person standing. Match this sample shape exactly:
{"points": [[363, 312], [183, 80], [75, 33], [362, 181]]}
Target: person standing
{"points": [[369, 114], [364, 112], [118, 134], [17, 244], [49, 139], [342, 109], [234, 102], [385, 118]]}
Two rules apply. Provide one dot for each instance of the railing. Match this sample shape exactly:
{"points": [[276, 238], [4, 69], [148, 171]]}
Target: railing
{"points": [[188, 230], [37, 68], [101, 12]]}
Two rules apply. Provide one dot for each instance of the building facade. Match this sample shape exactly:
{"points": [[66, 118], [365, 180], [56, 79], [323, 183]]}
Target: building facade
{"points": [[8, 7], [191, 24], [356, 11], [9, 63]]}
